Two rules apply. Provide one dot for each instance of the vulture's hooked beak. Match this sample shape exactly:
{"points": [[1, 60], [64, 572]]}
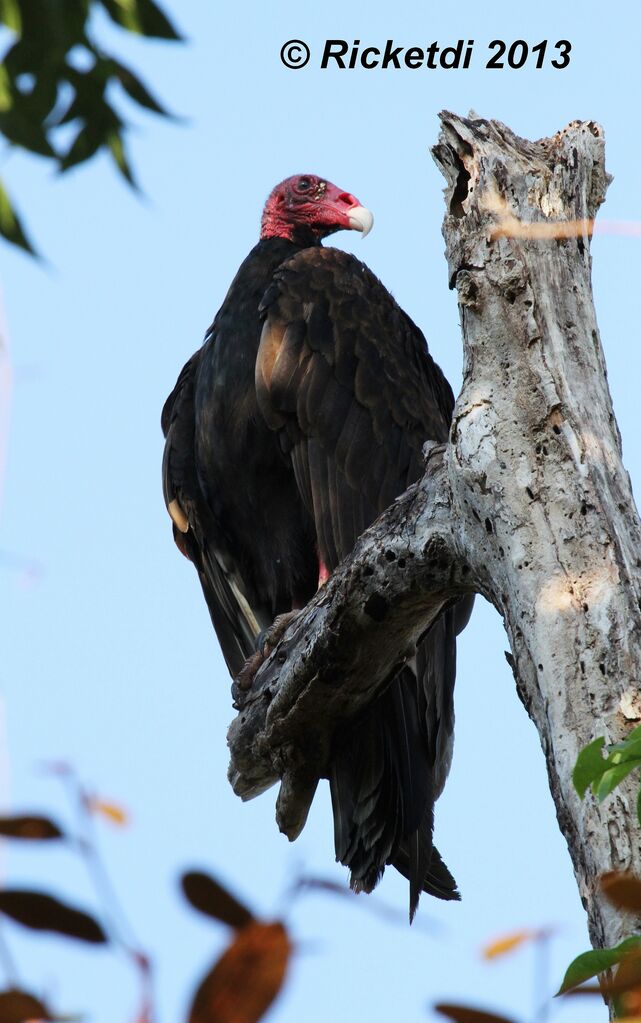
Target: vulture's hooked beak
{"points": [[361, 219]]}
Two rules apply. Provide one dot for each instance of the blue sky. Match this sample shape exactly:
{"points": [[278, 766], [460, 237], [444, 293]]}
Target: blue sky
{"points": [[108, 655]]}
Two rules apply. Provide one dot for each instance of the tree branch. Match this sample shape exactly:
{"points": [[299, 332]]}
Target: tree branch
{"points": [[402, 573]]}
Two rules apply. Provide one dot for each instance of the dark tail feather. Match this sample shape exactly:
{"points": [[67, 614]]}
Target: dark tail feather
{"points": [[390, 767], [420, 856], [381, 792], [439, 882], [432, 876], [362, 801]]}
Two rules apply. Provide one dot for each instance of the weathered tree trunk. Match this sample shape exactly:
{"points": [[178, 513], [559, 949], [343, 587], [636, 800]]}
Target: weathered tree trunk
{"points": [[529, 504]]}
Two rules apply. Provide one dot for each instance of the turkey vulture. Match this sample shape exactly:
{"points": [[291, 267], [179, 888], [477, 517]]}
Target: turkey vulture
{"points": [[298, 421]]}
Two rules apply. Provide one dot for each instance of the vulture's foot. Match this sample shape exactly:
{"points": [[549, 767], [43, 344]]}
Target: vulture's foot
{"points": [[267, 641], [245, 677]]}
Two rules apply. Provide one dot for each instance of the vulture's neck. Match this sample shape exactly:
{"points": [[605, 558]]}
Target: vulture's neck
{"points": [[299, 234]]}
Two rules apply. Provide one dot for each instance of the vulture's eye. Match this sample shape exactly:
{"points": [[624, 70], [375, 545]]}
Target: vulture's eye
{"points": [[304, 185]]}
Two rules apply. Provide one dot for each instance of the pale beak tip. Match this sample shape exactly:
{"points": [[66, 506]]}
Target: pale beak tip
{"points": [[361, 219]]}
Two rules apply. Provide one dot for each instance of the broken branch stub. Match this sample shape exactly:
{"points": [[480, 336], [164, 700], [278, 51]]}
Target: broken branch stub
{"points": [[341, 651]]}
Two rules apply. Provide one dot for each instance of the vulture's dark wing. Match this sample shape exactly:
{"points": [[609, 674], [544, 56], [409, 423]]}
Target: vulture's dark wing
{"points": [[345, 376], [346, 379], [232, 617]]}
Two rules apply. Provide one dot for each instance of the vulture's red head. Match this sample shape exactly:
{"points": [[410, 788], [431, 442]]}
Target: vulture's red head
{"points": [[308, 207]]}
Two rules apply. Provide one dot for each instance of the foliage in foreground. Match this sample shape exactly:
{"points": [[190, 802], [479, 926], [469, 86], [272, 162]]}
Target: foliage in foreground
{"points": [[57, 86], [603, 774]]}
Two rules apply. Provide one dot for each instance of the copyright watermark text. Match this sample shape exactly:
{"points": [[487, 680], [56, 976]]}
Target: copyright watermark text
{"points": [[295, 54], [497, 54]]}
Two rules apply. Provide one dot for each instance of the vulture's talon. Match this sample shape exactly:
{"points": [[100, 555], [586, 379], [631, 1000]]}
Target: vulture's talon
{"points": [[277, 630], [266, 642], [268, 639], [245, 676]]}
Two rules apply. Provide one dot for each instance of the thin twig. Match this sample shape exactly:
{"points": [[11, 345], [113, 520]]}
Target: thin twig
{"points": [[119, 927], [8, 962]]}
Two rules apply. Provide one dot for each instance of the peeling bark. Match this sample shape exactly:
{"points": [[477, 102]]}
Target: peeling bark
{"points": [[528, 504]]}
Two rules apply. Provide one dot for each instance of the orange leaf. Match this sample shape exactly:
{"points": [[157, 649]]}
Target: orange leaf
{"points": [[114, 813], [631, 1002], [244, 982], [501, 946], [628, 980]]}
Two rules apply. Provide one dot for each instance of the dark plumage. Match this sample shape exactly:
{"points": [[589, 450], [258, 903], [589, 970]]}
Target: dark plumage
{"points": [[295, 425]]}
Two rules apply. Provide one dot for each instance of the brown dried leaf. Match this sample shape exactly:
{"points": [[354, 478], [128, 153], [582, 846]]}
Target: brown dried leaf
{"points": [[628, 981], [29, 826], [211, 898], [462, 1014], [246, 979], [19, 1006], [623, 890], [42, 912]]}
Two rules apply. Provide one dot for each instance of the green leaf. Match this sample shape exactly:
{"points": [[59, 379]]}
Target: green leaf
{"points": [[117, 149], [589, 766], [87, 100], [42, 912], [590, 964], [612, 777], [20, 129], [626, 750], [142, 17], [10, 15], [86, 143], [6, 97], [10, 226], [52, 28], [89, 87], [633, 735], [35, 105], [135, 89]]}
